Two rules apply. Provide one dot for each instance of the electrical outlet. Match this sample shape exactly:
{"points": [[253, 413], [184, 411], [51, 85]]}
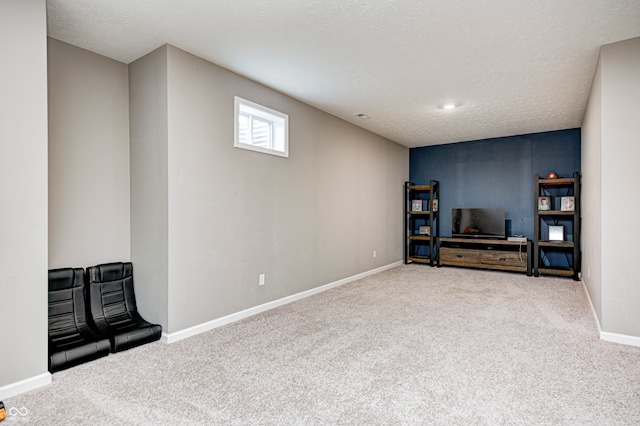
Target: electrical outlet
{"points": [[375, 253], [261, 279]]}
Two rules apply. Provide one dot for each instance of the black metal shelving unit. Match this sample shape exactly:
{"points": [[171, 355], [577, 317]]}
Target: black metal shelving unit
{"points": [[421, 247], [567, 249]]}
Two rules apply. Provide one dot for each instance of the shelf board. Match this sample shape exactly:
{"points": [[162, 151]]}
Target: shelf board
{"points": [[419, 187], [419, 259], [419, 237], [564, 272], [483, 241], [557, 181], [555, 213], [557, 244], [425, 212]]}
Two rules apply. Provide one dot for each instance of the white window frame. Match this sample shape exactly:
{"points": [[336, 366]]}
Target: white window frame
{"points": [[279, 124]]}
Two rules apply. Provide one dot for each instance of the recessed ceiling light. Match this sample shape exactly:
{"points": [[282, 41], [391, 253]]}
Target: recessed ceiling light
{"points": [[448, 106], [361, 115]]}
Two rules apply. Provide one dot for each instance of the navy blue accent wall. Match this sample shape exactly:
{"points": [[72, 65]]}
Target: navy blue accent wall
{"points": [[495, 173]]}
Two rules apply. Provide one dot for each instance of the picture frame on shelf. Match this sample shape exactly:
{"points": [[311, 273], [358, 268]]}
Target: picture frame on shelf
{"points": [[544, 203], [434, 205], [424, 230], [568, 203], [416, 205]]}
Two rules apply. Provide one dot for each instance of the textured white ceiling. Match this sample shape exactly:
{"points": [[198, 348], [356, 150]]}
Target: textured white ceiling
{"points": [[516, 66]]}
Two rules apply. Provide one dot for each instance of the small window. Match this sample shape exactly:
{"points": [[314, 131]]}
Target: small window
{"points": [[261, 129]]}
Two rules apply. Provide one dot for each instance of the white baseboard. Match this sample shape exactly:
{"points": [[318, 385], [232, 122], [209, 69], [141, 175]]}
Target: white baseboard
{"points": [[593, 309], [210, 325], [623, 339], [25, 385]]}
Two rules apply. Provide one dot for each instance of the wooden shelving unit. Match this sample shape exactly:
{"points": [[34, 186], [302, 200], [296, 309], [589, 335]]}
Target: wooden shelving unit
{"points": [[569, 248], [421, 248]]}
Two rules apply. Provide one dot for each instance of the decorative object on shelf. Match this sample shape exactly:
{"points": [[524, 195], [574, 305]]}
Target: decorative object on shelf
{"points": [[434, 205], [568, 204], [424, 230], [556, 233], [544, 203], [552, 175], [416, 205], [518, 238]]}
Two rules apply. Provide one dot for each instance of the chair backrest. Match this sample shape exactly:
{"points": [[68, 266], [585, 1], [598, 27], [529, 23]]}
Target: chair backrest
{"points": [[67, 308], [111, 296]]}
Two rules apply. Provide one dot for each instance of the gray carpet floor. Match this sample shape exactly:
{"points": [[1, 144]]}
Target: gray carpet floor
{"points": [[411, 345]]}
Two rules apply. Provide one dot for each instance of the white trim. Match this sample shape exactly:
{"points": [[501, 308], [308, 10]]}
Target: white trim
{"points": [[192, 331], [623, 339], [25, 385], [278, 120], [593, 309]]}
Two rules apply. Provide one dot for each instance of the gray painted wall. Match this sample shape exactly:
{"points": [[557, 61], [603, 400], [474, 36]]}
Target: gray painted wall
{"points": [[611, 132], [620, 204], [23, 192], [149, 197], [591, 209], [305, 221], [88, 158]]}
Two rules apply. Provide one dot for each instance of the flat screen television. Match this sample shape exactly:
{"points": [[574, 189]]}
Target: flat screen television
{"points": [[478, 223]]}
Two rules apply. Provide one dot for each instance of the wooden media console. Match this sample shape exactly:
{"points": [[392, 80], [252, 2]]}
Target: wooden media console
{"points": [[501, 255]]}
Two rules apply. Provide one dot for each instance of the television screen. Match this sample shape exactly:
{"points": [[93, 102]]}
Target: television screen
{"points": [[478, 223]]}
